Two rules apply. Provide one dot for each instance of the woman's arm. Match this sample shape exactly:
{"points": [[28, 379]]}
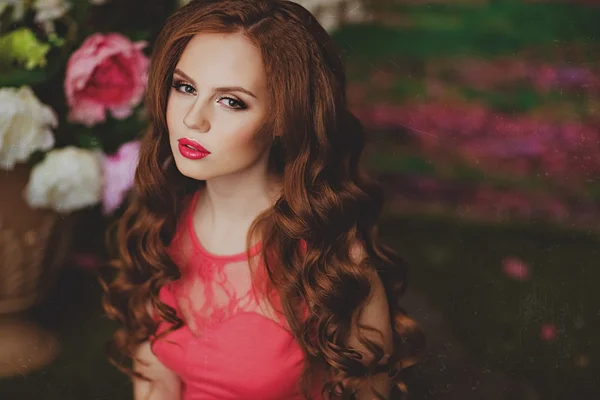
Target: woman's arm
{"points": [[163, 384]]}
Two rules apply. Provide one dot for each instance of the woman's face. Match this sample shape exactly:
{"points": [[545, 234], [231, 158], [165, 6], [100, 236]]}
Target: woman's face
{"points": [[216, 107]]}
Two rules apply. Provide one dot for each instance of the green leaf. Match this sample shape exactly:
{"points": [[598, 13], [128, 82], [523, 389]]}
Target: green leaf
{"points": [[22, 47]]}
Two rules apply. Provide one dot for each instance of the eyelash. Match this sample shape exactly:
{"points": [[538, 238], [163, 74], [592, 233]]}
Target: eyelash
{"points": [[177, 85]]}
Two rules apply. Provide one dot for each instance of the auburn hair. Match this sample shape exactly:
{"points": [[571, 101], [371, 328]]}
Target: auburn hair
{"points": [[327, 201]]}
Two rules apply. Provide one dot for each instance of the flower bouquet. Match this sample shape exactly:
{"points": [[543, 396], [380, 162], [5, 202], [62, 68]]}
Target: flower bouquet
{"points": [[70, 103], [72, 79]]}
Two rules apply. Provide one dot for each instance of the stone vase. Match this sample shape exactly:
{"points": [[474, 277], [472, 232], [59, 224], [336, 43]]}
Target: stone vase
{"points": [[34, 244]]}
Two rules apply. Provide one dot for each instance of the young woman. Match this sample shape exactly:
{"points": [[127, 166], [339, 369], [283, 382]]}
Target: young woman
{"points": [[248, 260]]}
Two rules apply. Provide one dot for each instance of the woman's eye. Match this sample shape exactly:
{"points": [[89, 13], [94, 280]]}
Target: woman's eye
{"points": [[184, 88], [233, 103], [230, 102]]}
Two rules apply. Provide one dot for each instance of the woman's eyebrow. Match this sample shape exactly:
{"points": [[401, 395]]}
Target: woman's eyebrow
{"points": [[183, 75], [218, 89]]}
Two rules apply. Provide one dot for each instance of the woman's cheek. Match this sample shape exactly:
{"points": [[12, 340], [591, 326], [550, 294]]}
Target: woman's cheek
{"points": [[174, 115], [242, 135]]}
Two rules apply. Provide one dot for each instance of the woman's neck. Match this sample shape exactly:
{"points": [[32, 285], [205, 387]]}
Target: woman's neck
{"points": [[229, 205]]}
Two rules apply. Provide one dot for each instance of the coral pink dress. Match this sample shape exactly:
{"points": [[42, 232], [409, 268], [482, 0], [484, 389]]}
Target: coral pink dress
{"points": [[233, 345]]}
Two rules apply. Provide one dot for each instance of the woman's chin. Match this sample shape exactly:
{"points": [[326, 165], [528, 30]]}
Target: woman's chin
{"points": [[191, 171]]}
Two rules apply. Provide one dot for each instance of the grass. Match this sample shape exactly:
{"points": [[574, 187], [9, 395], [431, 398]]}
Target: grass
{"points": [[460, 267], [494, 28]]}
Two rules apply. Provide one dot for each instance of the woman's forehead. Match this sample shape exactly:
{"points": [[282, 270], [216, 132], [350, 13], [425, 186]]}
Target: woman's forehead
{"points": [[223, 59]]}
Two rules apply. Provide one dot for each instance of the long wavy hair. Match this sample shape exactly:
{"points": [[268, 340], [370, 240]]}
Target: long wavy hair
{"points": [[327, 201]]}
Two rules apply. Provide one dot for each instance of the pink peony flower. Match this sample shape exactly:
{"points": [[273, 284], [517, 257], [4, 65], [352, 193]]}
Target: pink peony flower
{"points": [[119, 172], [515, 268], [108, 72], [548, 332]]}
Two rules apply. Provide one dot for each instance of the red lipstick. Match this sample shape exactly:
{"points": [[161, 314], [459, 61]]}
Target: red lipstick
{"points": [[191, 149]]}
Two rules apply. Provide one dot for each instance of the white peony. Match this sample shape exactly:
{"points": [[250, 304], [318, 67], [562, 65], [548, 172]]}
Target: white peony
{"points": [[66, 180], [18, 8], [49, 10], [25, 126], [331, 14]]}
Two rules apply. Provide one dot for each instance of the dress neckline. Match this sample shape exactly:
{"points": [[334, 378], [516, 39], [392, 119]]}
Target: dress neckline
{"points": [[217, 257]]}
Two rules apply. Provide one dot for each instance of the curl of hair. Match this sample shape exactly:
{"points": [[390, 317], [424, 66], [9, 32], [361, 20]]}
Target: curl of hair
{"points": [[327, 202]]}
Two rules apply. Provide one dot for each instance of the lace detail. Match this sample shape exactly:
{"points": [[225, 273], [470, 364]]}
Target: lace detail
{"points": [[212, 287]]}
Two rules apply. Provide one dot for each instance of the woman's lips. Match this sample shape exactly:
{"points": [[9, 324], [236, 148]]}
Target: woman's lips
{"points": [[191, 149]]}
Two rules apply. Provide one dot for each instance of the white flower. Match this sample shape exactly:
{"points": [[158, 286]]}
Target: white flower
{"points": [[332, 13], [25, 126], [66, 180], [49, 10], [18, 7], [98, 2]]}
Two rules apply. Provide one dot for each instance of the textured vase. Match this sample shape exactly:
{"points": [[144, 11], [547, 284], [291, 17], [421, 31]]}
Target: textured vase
{"points": [[33, 246]]}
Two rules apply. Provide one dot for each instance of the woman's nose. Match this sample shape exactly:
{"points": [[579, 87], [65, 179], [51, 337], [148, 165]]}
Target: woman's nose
{"points": [[197, 119]]}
